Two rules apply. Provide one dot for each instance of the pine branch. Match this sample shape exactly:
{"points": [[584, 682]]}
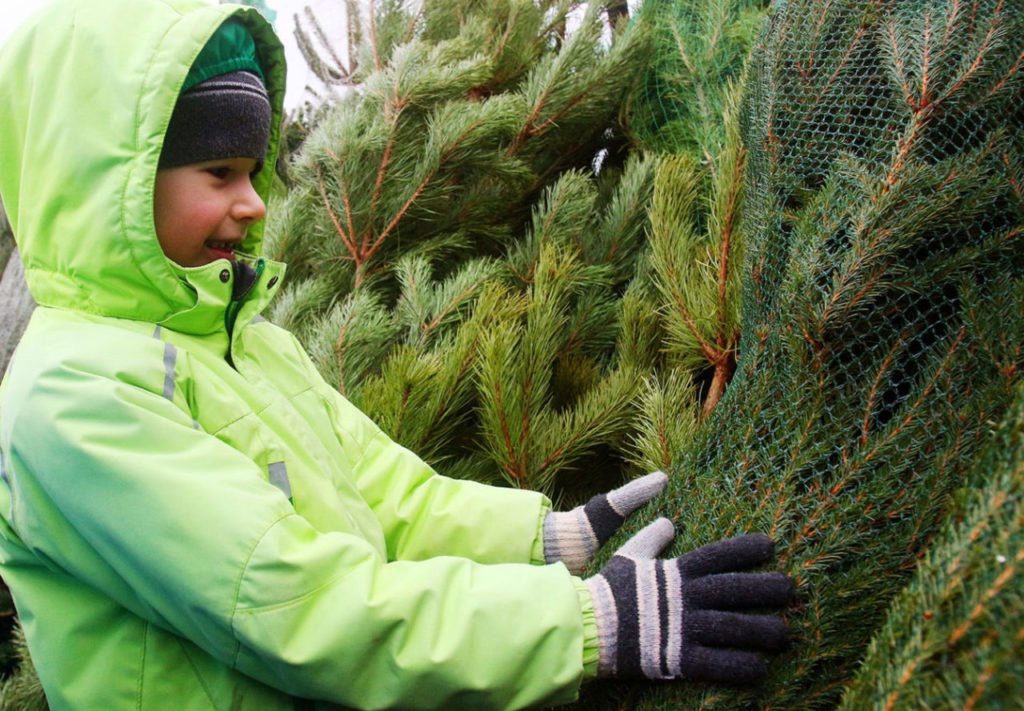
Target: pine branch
{"points": [[557, 92], [667, 421], [693, 271]]}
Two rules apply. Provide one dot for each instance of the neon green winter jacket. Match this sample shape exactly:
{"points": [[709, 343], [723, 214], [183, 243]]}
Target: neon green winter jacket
{"points": [[190, 518]]}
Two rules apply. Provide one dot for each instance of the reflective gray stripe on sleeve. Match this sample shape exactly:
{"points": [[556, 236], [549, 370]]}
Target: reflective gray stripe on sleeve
{"points": [[170, 358], [279, 477]]}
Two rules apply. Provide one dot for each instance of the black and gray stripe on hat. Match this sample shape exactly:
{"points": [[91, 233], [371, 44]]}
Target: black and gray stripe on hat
{"points": [[227, 116]]}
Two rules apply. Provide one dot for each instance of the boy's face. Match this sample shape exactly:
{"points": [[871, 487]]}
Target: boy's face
{"points": [[202, 210]]}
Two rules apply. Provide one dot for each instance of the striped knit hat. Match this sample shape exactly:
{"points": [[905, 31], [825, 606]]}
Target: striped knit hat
{"points": [[223, 110]]}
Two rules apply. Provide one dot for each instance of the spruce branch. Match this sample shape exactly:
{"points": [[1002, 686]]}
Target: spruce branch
{"points": [[880, 340], [953, 636]]}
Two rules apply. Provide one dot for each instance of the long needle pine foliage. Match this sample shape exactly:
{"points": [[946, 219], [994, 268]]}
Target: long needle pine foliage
{"points": [[883, 321], [435, 236], [686, 112], [472, 255]]}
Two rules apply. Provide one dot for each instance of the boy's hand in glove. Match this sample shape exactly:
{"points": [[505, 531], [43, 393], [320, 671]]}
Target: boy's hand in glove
{"points": [[679, 618], [573, 537]]}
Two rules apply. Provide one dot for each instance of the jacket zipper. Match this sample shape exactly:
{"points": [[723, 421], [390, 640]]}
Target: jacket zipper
{"points": [[238, 300]]}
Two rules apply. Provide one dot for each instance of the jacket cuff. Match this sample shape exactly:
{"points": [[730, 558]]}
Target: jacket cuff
{"points": [[591, 645], [537, 552]]}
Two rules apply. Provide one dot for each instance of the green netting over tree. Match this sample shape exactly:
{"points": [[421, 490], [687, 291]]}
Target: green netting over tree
{"points": [[882, 327], [955, 637]]}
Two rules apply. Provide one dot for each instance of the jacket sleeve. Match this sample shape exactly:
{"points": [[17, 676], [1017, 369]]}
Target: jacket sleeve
{"points": [[422, 513], [113, 484]]}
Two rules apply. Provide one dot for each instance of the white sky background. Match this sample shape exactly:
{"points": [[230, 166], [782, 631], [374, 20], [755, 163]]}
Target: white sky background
{"points": [[329, 12]]}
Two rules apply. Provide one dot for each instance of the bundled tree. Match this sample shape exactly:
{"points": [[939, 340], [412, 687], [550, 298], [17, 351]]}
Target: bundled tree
{"points": [[883, 322], [955, 637]]}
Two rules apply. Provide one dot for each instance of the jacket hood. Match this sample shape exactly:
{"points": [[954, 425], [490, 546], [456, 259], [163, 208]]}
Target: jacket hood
{"points": [[87, 91]]}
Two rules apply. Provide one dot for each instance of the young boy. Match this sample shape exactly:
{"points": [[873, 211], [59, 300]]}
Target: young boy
{"points": [[190, 518]]}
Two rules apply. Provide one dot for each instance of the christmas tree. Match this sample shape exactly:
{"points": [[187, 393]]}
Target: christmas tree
{"points": [[955, 637], [881, 325], [883, 322]]}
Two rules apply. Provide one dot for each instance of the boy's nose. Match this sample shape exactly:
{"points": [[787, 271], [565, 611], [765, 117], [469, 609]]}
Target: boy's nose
{"points": [[249, 206]]}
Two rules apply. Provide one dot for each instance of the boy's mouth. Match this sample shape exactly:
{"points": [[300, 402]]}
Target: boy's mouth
{"points": [[221, 249]]}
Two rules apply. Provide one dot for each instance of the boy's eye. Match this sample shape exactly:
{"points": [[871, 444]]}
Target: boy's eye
{"points": [[219, 172]]}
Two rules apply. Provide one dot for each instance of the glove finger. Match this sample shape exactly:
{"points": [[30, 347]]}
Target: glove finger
{"points": [[606, 512], [733, 591], [722, 665], [737, 553], [713, 628], [649, 541]]}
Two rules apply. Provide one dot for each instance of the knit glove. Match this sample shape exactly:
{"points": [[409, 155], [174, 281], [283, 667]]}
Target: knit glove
{"points": [[677, 618], [572, 537]]}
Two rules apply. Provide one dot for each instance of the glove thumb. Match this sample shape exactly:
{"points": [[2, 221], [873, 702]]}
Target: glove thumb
{"points": [[629, 497], [650, 541]]}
